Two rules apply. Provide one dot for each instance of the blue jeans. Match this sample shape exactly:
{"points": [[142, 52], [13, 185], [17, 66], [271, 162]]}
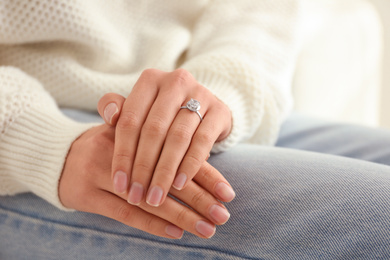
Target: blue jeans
{"points": [[290, 204]]}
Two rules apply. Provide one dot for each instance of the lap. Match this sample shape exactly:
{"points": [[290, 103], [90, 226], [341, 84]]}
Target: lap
{"points": [[349, 140], [290, 204]]}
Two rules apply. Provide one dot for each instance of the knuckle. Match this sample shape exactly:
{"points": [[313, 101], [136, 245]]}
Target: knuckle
{"points": [[155, 127], [205, 138], [181, 133], [198, 197], [128, 120], [182, 215], [208, 170], [209, 173], [142, 166], [122, 159], [182, 77], [165, 170], [149, 73], [202, 174], [123, 213], [194, 159], [149, 223]]}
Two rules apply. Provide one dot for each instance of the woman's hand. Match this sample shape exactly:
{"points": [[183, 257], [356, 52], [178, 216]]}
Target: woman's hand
{"points": [[158, 144], [85, 185]]}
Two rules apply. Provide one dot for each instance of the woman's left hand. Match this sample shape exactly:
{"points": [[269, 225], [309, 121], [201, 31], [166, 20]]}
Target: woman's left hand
{"points": [[157, 143]]}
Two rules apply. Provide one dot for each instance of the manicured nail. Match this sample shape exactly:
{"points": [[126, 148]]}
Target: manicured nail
{"points": [[174, 231], [219, 214], [109, 112], [120, 182], [179, 182], [204, 228], [225, 192], [136, 193], [154, 196]]}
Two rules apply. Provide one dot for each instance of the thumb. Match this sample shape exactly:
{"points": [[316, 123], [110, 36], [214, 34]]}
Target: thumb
{"points": [[109, 107]]}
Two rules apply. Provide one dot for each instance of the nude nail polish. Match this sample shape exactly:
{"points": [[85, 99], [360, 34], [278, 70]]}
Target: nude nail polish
{"points": [[204, 228], [120, 182], [180, 180], [136, 193], [225, 192], [173, 231], [219, 214], [109, 112], [154, 196]]}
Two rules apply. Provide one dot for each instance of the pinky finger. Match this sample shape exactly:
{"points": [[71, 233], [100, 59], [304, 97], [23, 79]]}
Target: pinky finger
{"points": [[111, 206], [202, 142]]}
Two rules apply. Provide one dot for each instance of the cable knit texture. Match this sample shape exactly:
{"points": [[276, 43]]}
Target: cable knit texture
{"points": [[70, 53]]}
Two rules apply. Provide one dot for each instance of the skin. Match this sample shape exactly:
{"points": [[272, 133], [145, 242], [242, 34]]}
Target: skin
{"points": [[85, 185], [158, 145]]}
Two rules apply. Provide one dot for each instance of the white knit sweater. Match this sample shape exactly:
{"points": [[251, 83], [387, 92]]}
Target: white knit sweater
{"points": [[57, 53]]}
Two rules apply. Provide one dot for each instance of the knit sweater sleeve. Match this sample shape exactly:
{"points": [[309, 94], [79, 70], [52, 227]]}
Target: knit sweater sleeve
{"points": [[34, 137], [244, 52]]}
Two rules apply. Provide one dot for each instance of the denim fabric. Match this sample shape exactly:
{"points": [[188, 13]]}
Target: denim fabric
{"points": [[290, 204]]}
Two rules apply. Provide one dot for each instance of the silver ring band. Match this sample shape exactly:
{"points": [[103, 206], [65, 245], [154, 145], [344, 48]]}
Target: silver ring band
{"points": [[194, 106]]}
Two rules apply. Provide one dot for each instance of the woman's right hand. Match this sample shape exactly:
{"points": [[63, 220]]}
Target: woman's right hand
{"points": [[85, 185]]}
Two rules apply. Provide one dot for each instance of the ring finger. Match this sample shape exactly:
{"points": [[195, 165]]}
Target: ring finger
{"points": [[175, 147]]}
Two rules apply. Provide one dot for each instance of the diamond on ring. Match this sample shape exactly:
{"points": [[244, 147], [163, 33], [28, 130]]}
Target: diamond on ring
{"points": [[193, 105]]}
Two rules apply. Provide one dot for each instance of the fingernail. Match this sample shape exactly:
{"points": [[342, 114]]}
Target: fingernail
{"points": [[179, 182], [154, 196], [219, 214], [174, 231], [136, 193], [120, 182], [109, 112], [225, 192], [205, 228]]}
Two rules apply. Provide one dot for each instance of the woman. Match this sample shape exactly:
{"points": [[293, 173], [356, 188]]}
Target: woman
{"points": [[221, 76]]}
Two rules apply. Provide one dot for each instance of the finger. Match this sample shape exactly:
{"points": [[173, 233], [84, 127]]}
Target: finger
{"points": [[133, 115], [153, 138], [183, 216], [111, 206], [203, 140], [109, 107], [150, 144], [149, 147], [172, 211], [175, 147], [213, 181], [203, 202]]}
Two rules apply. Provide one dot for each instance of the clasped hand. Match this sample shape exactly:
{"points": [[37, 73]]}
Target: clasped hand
{"points": [[156, 147]]}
